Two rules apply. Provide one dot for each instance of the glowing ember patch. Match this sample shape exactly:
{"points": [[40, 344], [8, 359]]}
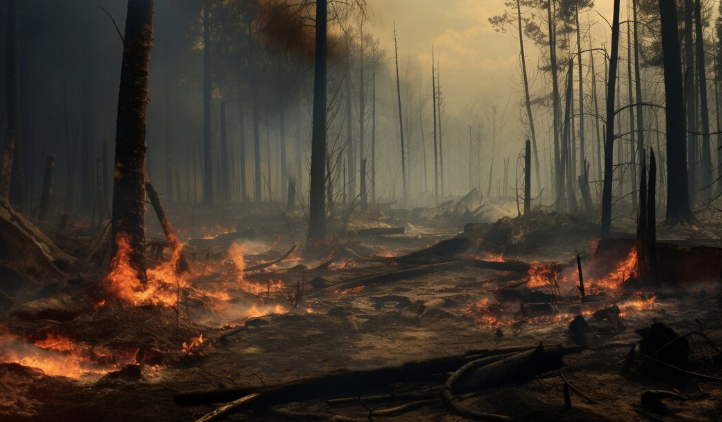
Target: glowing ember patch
{"points": [[194, 346], [493, 257], [541, 275], [257, 311], [353, 290], [642, 302], [56, 342]]}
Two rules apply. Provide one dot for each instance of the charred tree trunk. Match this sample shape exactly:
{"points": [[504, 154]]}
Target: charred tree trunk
{"points": [[441, 132], [242, 146], [317, 217], [436, 148], [362, 117], [638, 82], [401, 121], [609, 142], [7, 165], [632, 143], [558, 166], [582, 152], [282, 146], [225, 177], [527, 178], [257, 191], [568, 152], [207, 150], [596, 111], [642, 222], [706, 165], [17, 169], [128, 220], [291, 198], [373, 130], [690, 90], [527, 96], [678, 198], [168, 147], [299, 151], [349, 126], [47, 188], [364, 199], [653, 278]]}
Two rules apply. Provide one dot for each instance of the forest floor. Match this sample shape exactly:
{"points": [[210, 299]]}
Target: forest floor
{"points": [[76, 354]]}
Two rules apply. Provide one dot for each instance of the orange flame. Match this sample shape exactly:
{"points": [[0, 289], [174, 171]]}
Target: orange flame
{"points": [[163, 281], [625, 270], [236, 253], [541, 275]]}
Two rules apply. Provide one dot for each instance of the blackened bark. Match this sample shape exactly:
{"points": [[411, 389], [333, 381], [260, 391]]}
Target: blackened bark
{"points": [[653, 278], [678, 207], [582, 116], [609, 143], [128, 220], [207, 150], [373, 131], [349, 125], [690, 90], [436, 148], [257, 191], [282, 155], [638, 82], [242, 146], [630, 96], [317, 217], [7, 165], [527, 178], [642, 222], [558, 165], [706, 164], [17, 170], [47, 187], [401, 121], [299, 158], [225, 175]]}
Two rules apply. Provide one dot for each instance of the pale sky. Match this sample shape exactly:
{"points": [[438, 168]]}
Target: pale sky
{"points": [[476, 62]]}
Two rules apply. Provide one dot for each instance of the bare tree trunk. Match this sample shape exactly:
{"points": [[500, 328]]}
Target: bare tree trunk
{"points": [[364, 200], [298, 151], [678, 198], [362, 114], [582, 116], [242, 146], [257, 191], [609, 144], [638, 80], [373, 129], [207, 149], [653, 278], [436, 148], [596, 109], [349, 126], [632, 143], [282, 146], [527, 178], [706, 166], [166, 85], [128, 220], [401, 121], [17, 170], [567, 151], [441, 132], [317, 217], [225, 179], [691, 94], [47, 188], [558, 169]]}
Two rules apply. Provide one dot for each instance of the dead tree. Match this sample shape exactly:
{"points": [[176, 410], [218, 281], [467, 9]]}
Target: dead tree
{"points": [[609, 142], [317, 217], [678, 207], [630, 95], [14, 138], [207, 150], [257, 191], [47, 187], [349, 127], [527, 178], [638, 82], [7, 165], [436, 148], [401, 120], [652, 272], [225, 179], [173, 242], [527, 97], [128, 220], [706, 167], [558, 170], [582, 156], [690, 89]]}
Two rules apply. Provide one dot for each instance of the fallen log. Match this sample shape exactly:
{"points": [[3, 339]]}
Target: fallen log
{"points": [[182, 264], [483, 373], [270, 263], [376, 231], [342, 383], [229, 409], [427, 269]]}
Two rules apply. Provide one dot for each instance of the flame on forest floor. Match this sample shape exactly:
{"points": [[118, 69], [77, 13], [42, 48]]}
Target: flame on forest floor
{"points": [[542, 275], [625, 270], [352, 290], [237, 255], [195, 346], [641, 302], [492, 257], [163, 285], [55, 355]]}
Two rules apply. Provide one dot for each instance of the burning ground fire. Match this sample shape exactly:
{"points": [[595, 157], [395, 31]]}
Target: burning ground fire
{"points": [[55, 355]]}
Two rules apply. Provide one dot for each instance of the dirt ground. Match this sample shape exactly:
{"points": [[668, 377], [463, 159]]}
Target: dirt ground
{"points": [[258, 330]]}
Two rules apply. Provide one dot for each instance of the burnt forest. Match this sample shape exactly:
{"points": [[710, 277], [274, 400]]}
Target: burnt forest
{"points": [[360, 210]]}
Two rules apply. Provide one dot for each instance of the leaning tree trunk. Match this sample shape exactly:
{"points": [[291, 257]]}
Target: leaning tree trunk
{"points": [[207, 154], [609, 144], [317, 217], [401, 122], [678, 208], [706, 166], [128, 220]]}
